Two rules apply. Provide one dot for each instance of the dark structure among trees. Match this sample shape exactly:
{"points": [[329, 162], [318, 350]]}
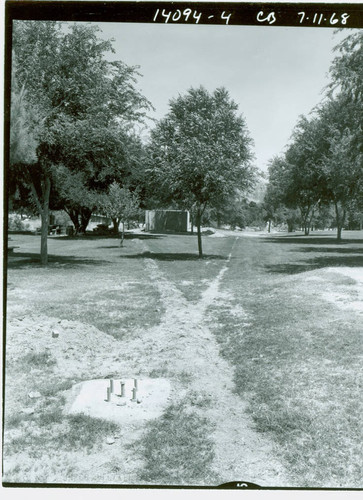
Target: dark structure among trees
{"points": [[167, 220]]}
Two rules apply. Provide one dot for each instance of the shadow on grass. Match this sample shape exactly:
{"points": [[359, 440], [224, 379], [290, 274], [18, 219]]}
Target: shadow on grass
{"points": [[316, 263], [338, 250], [110, 236], [19, 260], [172, 256], [311, 240]]}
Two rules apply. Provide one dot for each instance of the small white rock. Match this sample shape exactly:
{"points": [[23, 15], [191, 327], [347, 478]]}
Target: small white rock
{"points": [[110, 440], [34, 395], [28, 411]]}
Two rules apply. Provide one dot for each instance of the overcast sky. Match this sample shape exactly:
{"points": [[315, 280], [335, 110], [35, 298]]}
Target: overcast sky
{"points": [[274, 74]]}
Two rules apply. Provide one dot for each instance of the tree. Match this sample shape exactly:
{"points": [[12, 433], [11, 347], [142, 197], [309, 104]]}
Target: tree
{"points": [[275, 191], [341, 119], [200, 152], [341, 164], [87, 104], [120, 205], [346, 69], [303, 188]]}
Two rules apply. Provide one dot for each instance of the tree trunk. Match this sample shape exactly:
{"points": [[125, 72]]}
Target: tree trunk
{"points": [[80, 218], [122, 234], [304, 213], [44, 238], [73, 215], [85, 215], [42, 204], [115, 223], [45, 222], [218, 220], [199, 233], [340, 217]]}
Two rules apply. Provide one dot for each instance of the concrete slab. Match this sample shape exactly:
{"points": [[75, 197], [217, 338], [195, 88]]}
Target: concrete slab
{"points": [[90, 398]]}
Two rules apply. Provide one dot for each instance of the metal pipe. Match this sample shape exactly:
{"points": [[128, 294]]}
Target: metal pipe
{"points": [[112, 389], [133, 394], [135, 383], [108, 395], [122, 389]]}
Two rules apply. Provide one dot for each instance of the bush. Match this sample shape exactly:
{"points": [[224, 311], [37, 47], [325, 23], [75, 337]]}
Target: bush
{"points": [[16, 224]]}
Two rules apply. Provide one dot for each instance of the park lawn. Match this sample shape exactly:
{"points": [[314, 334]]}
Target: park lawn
{"points": [[90, 283], [294, 353], [181, 265], [86, 281], [298, 356]]}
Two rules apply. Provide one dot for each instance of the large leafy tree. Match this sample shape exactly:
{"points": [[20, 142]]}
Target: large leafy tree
{"points": [[200, 153], [346, 70], [303, 182], [342, 164], [341, 121], [324, 161], [87, 104]]}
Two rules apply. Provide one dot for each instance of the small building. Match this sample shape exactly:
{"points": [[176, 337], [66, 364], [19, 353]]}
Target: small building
{"points": [[161, 221]]}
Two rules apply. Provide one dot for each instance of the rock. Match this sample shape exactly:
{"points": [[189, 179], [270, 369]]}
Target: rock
{"points": [[121, 403], [34, 395], [139, 401], [28, 411], [110, 440]]}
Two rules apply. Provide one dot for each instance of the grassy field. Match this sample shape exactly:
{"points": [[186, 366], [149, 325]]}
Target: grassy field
{"points": [[287, 325]]}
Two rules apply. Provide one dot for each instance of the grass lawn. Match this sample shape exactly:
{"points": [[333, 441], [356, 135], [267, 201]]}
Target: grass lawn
{"points": [[298, 356], [288, 325]]}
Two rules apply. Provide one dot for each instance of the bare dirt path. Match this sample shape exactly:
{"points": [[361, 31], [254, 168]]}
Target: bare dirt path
{"points": [[181, 347], [183, 343]]}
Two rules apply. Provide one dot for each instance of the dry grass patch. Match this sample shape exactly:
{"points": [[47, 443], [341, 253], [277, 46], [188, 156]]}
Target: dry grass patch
{"points": [[298, 362], [177, 448]]}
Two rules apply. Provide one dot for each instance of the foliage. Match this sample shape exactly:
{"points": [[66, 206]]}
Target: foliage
{"points": [[88, 107], [200, 152], [239, 213], [324, 161], [346, 70], [15, 223], [119, 204], [23, 141]]}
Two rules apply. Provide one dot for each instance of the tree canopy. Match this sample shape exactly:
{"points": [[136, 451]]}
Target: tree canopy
{"points": [[323, 161], [87, 107], [200, 153]]}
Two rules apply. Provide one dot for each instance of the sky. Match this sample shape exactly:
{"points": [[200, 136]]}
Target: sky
{"points": [[274, 74]]}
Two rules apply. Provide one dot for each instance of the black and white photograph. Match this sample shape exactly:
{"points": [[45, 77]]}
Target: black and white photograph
{"points": [[183, 245]]}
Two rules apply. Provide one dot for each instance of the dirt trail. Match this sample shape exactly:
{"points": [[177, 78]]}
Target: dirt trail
{"points": [[182, 348], [183, 343]]}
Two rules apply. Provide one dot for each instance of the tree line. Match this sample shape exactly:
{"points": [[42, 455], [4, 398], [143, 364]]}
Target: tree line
{"points": [[321, 167], [75, 143], [75, 140]]}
